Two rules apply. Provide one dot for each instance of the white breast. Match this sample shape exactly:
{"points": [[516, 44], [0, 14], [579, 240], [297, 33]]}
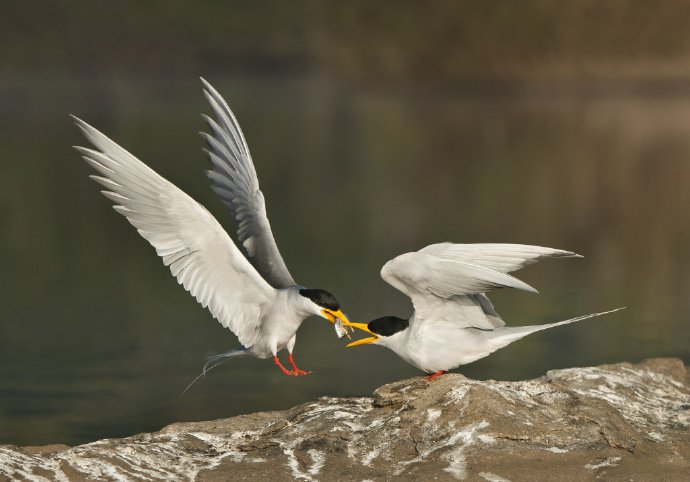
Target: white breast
{"points": [[280, 324], [438, 346]]}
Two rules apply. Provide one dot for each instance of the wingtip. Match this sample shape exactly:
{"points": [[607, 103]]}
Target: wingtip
{"points": [[85, 127], [521, 285], [208, 88], [77, 121], [206, 137]]}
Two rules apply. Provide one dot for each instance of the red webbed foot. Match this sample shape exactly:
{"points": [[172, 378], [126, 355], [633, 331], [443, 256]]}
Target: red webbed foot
{"points": [[434, 376], [296, 370], [282, 368]]}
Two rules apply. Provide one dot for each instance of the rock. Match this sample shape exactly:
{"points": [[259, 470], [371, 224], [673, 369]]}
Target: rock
{"points": [[612, 422]]}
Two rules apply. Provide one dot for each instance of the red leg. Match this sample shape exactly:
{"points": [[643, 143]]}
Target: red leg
{"points": [[297, 371], [434, 376], [282, 368]]}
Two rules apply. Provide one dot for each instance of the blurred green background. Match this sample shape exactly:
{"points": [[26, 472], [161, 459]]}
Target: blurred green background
{"points": [[376, 128]]}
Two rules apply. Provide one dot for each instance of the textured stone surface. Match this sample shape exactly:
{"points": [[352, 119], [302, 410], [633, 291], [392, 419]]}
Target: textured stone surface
{"points": [[613, 422]]}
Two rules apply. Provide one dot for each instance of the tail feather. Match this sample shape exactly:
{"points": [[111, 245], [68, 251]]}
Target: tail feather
{"points": [[510, 334], [214, 361]]}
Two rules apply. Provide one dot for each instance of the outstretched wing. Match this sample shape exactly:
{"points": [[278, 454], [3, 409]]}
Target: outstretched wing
{"points": [[233, 178], [447, 281], [500, 257], [198, 251]]}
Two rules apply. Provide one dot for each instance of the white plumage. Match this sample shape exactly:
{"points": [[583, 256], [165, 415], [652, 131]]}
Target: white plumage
{"points": [[454, 322], [258, 302]]}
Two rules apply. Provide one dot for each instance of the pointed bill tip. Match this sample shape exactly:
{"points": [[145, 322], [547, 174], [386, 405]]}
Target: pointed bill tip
{"points": [[363, 341]]}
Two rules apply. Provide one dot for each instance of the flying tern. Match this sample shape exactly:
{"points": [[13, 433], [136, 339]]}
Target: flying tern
{"points": [[254, 296], [454, 323]]}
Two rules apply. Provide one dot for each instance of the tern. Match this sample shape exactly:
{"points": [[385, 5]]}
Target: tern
{"points": [[454, 323], [254, 296]]}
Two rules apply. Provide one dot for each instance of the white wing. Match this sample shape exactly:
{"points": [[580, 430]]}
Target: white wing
{"points": [[448, 281], [504, 258], [234, 179], [198, 251]]}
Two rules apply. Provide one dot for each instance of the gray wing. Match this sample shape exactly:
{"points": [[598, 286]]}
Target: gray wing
{"points": [[234, 179], [198, 251], [488, 309], [448, 281]]}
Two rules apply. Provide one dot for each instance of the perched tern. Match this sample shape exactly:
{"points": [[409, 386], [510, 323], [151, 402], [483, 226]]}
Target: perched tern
{"points": [[453, 322], [255, 297]]}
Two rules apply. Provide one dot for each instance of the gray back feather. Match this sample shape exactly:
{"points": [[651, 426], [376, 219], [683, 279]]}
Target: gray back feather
{"points": [[234, 179]]}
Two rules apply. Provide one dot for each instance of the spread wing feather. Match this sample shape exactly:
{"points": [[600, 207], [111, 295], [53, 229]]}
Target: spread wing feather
{"points": [[234, 179], [500, 257], [185, 235], [447, 281]]}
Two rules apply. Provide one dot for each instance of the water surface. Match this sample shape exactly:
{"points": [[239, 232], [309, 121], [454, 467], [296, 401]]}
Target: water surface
{"points": [[97, 340]]}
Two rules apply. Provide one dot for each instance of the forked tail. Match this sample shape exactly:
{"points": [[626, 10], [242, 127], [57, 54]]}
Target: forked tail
{"points": [[214, 361], [513, 333]]}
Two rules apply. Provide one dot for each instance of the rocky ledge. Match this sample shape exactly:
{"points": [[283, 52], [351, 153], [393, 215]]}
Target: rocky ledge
{"points": [[612, 422]]}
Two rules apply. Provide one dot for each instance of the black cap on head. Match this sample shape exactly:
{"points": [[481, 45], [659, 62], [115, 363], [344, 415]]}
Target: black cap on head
{"points": [[322, 298], [387, 325]]}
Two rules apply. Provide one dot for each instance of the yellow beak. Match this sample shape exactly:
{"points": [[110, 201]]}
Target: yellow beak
{"points": [[362, 326], [331, 315], [363, 341]]}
